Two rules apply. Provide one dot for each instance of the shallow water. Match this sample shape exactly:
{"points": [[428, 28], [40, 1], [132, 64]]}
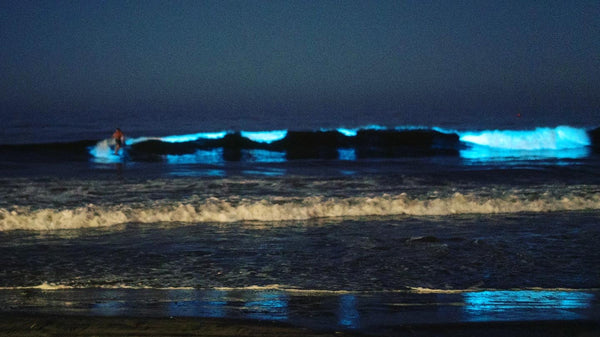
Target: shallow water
{"points": [[518, 251], [337, 243]]}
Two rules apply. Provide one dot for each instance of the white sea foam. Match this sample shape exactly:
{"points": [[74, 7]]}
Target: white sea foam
{"points": [[199, 210], [102, 151], [57, 286]]}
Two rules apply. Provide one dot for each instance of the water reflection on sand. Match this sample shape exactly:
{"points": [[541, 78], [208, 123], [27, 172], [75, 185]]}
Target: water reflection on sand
{"points": [[315, 309]]}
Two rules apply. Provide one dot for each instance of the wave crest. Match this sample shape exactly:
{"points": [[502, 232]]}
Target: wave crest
{"points": [[217, 210]]}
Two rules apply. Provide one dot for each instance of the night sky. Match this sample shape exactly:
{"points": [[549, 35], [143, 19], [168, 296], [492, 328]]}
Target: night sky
{"points": [[236, 61]]}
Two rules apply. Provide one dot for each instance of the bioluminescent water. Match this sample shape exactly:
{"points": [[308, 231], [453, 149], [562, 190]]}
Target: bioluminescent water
{"points": [[351, 229], [543, 143]]}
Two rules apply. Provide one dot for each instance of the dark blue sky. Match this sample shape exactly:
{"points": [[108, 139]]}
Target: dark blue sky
{"points": [[321, 59]]}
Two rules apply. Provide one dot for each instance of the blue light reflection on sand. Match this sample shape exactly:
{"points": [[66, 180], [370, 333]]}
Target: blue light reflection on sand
{"points": [[267, 305], [353, 311], [348, 314], [210, 303], [109, 308], [113, 304], [525, 305], [272, 306]]}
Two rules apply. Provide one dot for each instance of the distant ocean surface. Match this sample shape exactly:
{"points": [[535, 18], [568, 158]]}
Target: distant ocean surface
{"points": [[250, 223]]}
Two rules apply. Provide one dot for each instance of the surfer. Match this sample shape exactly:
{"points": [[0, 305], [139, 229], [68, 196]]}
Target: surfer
{"points": [[119, 138]]}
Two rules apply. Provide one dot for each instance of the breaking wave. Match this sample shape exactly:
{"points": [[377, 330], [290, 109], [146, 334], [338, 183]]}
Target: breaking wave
{"points": [[216, 210], [332, 144], [559, 138]]}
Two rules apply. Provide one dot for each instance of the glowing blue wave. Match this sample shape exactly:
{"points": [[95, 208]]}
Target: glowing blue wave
{"points": [[193, 137], [103, 153], [562, 137], [264, 136], [562, 142], [352, 132]]}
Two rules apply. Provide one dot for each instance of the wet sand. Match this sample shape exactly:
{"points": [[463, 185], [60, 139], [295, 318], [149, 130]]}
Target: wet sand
{"points": [[272, 312], [15, 324]]}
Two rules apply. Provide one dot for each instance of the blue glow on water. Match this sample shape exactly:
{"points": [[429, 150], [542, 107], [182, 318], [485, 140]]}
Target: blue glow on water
{"points": [[446, 131], [267, 172], [131, 141], [109, 158], [103, 153], [562, 142], [193, 137], [562, 137], [411, 128], [194, 171], [264, 156], [214, 157], [352, 132], [487, 146], [525, 305], [348, 132], [484, 154], [264, 136], [347, 154]]}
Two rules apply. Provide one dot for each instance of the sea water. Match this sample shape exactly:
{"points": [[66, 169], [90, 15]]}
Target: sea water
{"points": [[345, 228]]}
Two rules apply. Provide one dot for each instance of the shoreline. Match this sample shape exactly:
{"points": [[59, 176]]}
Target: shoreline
{"points": [[32, 324], [269, 312]]}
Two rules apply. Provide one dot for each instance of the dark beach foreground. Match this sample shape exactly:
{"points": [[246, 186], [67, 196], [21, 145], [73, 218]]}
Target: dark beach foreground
{"points": [[15, 324]]}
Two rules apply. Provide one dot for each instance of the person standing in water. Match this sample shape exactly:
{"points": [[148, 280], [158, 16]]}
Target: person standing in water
{"points": [[119, 138]]}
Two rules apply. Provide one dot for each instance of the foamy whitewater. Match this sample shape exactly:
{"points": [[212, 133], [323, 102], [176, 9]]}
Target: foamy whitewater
{"points": [[253, 225], [275, 208]]}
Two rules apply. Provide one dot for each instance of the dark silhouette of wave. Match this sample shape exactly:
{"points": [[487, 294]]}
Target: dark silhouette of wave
{"points": [[313, 145], [292, 145]]}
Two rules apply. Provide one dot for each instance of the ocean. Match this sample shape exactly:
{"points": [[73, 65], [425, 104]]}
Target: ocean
{"points": [[335, 228]]}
